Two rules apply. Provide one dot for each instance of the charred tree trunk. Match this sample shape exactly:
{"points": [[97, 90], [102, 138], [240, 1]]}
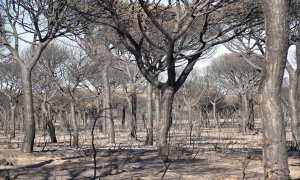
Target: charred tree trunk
{"points": [[149, 136], [247, 113], [276, 14], [49, 123], [74, 125], [101, 123], [29, 123], [123, 117], [107, 106], [166, 122], [251, 115], [133, 123]]}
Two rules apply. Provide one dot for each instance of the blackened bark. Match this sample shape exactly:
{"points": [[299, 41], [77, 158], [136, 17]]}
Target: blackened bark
{"points": [[101, 123], [47, 118], [29, 123], [52, 131], [276, 14], [133, 123], [251, 115], [123, 117], [247, 113]]}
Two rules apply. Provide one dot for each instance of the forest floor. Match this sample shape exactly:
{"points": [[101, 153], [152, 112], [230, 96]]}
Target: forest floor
{"points": [[211, 154]]}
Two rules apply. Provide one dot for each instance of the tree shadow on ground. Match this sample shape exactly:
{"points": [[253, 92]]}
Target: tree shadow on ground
{"points": [[132, 163], [139, 162]]}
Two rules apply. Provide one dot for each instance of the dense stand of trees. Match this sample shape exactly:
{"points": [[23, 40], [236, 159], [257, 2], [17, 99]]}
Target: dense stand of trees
{"points": [[140, 47]]}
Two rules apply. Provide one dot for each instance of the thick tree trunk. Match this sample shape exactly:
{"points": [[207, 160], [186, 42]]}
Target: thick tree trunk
{"points": [[149, 136], [107, 107], [74, 125], [166, 122], [29, 123], [274, 136], [293, 108], [13, 106]]}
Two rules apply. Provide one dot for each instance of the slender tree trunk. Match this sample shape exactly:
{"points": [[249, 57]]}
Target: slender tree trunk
{"points": [[48, 121], [6, 126], [190, 123], [166, 121], [293, 87], [101, 123], [214, 104], [103, 127], [13, 106], [149, 136], [123, 117], [133, 123], [60, 117], [247, 113], [275, 157], [107, 107], [251, 115], [74, 125], [22, 119], [157, 112], [29, 123], [79, 119], [293, 108], [84, 119]]}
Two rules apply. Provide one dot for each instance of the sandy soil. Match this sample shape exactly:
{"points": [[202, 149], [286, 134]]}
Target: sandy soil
{"points": [[212, 154]]}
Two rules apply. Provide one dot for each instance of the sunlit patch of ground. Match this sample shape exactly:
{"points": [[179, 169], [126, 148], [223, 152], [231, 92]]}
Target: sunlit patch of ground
{"points": [[212, 154]]}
